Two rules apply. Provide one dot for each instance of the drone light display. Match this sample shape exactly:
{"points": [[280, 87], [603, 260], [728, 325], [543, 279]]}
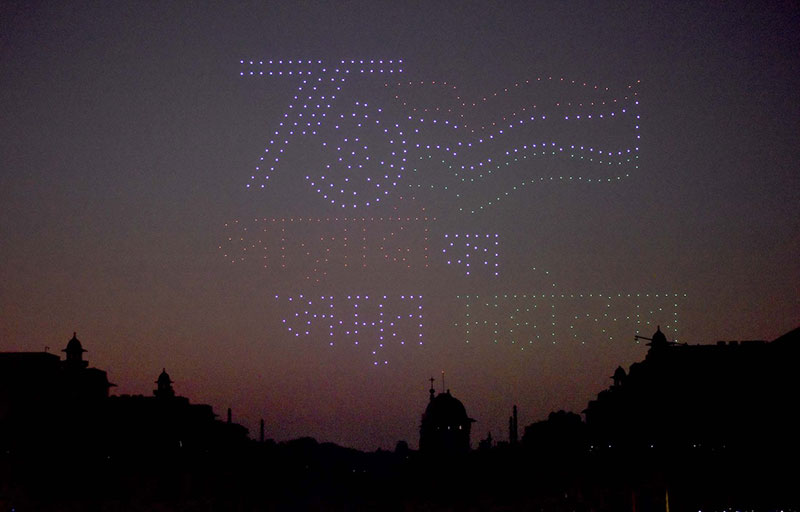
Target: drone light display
{"points": [[585, 124], [526, 319], [317, 246], [373, 136], [362, 321]]}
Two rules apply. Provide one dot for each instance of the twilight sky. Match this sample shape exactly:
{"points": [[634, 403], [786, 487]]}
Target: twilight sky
{"points": [[507, 194]]}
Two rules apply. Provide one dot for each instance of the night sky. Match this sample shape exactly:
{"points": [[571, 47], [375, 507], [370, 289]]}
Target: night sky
{"points": [[603, 168]]}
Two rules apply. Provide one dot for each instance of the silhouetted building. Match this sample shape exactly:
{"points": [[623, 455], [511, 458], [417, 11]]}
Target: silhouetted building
{"points": [[619, 376], [731, 394], [48, 403], [81, 382], [164, 386], [38, 390], [166, 422], [445, 426], [562, 436]]}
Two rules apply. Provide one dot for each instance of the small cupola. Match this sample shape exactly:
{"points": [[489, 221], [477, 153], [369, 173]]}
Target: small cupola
{"points": [[164, 386], [74, 351]]}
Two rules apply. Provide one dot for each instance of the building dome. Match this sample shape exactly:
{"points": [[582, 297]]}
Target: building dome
{"points": [[164, 386], [164, 378], [75, 352], [445, 426], [659, 339], [658, 342], [619, 376], [444, 409], [74, 345]]}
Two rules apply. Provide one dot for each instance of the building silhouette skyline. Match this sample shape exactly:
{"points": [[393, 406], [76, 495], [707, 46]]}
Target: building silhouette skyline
{"points": [[40, 392], [731, 394], [704, 424]]}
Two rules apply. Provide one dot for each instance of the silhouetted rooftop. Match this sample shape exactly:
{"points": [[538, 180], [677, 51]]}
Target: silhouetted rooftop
{"points": [[74, 345], [444, 408]]}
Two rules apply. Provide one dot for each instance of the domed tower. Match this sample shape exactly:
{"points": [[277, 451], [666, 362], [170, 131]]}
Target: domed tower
{"points": [[659, 340], [619, 377], [445, 425], [164, 386], [658, 343], [74, 353], [78, 382]]}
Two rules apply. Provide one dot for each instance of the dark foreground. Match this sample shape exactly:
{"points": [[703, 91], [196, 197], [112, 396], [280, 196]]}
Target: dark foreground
{"points": [[305, 475]]}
